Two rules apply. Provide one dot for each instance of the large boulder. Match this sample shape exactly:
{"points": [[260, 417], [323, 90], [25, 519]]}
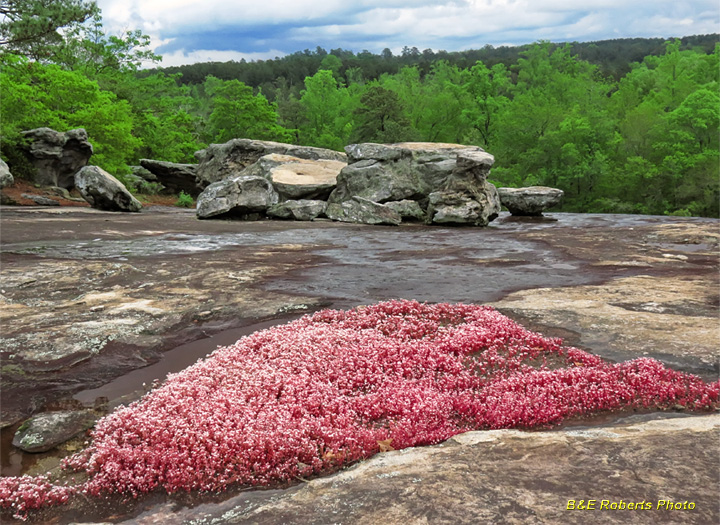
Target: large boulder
{"points": [[466, 197], [299, 210], [56, 157], [103, 191], [296, 178], [222, 161], [362, 211], [6, 178], [240, 197], [530, 201], [174, 176], [395, 172]]}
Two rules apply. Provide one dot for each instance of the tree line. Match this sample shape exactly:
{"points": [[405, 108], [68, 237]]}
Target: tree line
{"points": [[643, 141]]}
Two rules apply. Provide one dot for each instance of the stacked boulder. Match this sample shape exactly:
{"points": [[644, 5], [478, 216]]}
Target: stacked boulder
{"points": [[379, 183], [249, 179]]}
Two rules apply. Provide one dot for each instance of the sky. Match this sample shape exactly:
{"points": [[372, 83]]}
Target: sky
{"points": [[188, 31]]}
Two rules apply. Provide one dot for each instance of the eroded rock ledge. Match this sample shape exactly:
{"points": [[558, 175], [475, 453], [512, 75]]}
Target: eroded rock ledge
{"points": [[506, 476]]}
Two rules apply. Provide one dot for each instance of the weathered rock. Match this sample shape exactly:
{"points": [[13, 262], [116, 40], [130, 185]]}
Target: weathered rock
{"points": [[407, 209], [237, 196], [394, 172], [466, 197], [103, 191], [505, 476], [296, 178], [43, 432], [362, 211], [57, 156], [40, 200], [530, 201], [6, 178], [299, 210], [174, 176], [144, 173], [221, 161]]}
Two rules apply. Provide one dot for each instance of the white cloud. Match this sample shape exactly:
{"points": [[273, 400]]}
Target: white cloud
{"points": [[376, 24], [182, 57]]}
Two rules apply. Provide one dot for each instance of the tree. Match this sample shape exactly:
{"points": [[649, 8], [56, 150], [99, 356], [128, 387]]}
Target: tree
{"points": [[328, 112], [381, 118], [37, 95], [32, 27], [237, 113]]}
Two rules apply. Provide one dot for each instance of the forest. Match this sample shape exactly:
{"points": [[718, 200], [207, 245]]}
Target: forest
{"points": [[622, 126]]}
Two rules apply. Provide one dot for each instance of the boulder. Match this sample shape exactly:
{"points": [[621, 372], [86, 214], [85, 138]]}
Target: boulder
{"points": [[238, 196], [174, 176], [363, 211], [57, 156], [103, 191], [530, 201], [6, 178], [43, 432], [395, 172], [407, 209], [222, 161], [466, 197], [299, 210], [297, 178]]}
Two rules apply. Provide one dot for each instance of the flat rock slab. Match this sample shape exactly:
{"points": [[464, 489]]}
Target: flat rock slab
{"points": [[505, 476], [87, 296]]}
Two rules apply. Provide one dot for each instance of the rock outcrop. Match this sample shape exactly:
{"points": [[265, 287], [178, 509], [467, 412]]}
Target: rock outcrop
{"points": [[382, 184], [530, 201], [44, 432], [362, 211], [221, 161], [103, 191], [6, 178], [394, 172], [174, 176], [296, 178], [299, 210], [466, 197], [237, 196], [57, 156]]}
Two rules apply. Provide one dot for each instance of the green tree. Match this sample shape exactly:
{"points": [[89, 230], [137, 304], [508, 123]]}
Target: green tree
{"points": [[237, 113], [328, 112], [380, 117], [33, 28], [36, 95]]}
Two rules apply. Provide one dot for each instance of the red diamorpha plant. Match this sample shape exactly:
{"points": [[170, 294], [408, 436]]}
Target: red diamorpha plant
{"points": [[336, 386]]}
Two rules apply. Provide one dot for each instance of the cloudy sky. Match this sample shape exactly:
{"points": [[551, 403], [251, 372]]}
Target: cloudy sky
{"points": [[187, 31]]}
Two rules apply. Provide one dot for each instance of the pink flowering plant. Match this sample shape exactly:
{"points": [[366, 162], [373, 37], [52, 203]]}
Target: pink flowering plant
{"points": [[337, 386]]}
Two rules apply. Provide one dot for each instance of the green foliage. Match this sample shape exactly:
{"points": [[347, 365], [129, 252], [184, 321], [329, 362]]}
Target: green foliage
{"points": [[185, 200], [237, 113], [33, 28], [616, 136], [36, 95], [328, 109], [381, 118]]}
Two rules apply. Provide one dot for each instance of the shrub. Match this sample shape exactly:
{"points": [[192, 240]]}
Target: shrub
{"points": [[185, 200]]}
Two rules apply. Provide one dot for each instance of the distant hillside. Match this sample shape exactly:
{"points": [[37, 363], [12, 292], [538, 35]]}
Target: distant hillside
{"points": [[612, 56]]}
